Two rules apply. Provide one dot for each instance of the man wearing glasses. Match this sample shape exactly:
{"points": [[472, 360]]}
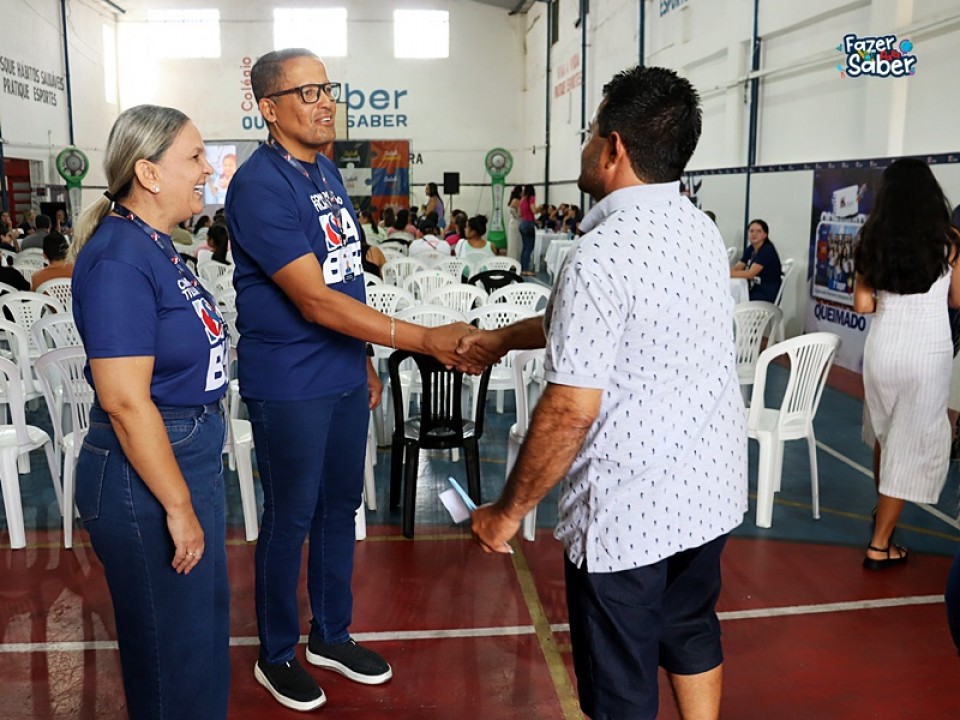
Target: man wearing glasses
{"points": [[304, 374]]}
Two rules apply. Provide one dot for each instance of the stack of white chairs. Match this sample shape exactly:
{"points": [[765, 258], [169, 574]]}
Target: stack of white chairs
{"points": [[810, 358], [59, 288], [65, 386], [458, 296], [493, 316], [239, 450], [18, 352], [532, 296], [751, 321], [395, 272], [17, 440]]}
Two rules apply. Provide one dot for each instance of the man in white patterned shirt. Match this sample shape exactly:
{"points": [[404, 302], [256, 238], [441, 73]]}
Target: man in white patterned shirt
{"points": [[642, 419]]}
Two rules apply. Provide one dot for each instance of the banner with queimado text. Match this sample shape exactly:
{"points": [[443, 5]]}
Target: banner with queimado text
{"points": [[842, 199]]}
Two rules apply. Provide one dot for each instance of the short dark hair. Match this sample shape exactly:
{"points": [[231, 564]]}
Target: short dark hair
{"points": [[906, 243], [657, 115], [42, 222], [267, 72], [55, 246]]}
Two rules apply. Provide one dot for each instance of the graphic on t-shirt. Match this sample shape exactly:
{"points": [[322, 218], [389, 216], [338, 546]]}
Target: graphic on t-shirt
{"points": [[342, 239], [212, 322]]}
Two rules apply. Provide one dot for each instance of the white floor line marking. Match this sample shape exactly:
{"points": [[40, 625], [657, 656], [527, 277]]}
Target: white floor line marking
{"points": [[953, 522], [509, 630], [849, 606]]}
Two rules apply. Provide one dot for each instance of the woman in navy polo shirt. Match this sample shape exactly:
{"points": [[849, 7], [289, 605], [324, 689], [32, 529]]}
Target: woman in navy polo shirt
{"points": [[760, 264], [150, 474]]}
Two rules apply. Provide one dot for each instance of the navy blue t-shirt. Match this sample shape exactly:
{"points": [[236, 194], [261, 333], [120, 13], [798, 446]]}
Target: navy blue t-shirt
{"points": [[129, 300], [767, 284], [276, 215]]}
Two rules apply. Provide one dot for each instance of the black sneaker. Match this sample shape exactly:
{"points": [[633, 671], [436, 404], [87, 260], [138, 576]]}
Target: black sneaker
{"points": [[350, 660], [290, 685]]}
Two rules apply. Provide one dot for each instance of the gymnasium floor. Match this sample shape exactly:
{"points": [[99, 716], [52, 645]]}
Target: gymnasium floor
{"points": [[808, 633]]}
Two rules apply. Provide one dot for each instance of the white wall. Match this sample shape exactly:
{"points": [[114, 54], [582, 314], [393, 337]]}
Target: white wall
{"points": [[37, 128], [455, 109]]}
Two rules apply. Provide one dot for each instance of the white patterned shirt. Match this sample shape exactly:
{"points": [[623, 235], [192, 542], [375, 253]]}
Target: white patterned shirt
{"points": [[642, 310]]}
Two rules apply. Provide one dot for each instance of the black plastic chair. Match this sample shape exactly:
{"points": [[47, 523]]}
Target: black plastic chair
{"points": [[439, 426], [492, 280]]}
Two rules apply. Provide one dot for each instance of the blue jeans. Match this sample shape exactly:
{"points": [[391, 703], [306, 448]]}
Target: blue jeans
{"points": [[173, 630], [310, 456], [528, 236]]}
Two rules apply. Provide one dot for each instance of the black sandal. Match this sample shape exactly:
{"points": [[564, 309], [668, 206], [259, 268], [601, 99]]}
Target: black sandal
{"points": [[889, 562]]}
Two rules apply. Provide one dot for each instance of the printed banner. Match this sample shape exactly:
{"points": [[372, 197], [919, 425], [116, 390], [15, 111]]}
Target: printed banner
{"points": [[842, 199], [376, 173]]}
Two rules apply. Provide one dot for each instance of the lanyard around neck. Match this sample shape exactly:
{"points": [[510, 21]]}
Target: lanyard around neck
{"points": [[155, 236]]}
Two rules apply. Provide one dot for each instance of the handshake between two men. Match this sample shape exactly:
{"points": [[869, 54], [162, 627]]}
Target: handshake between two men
{"points": [[472, 350]]}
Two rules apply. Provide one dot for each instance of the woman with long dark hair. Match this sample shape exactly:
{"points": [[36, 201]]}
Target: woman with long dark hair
{"points": [[528, 229], [905, 263], [434, 203]]}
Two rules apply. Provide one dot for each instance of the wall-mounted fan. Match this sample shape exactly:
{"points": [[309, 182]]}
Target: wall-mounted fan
{"points": [[499, 163], [73, 166]]}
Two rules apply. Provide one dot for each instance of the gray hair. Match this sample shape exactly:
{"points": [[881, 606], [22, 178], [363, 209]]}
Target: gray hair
{"points": [[144, 132]]}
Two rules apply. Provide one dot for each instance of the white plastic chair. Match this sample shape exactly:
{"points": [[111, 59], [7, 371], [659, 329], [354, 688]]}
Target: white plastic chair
{"points": [[224, 282], [530, 295], [19, 345], [28, 307], [29, 261], [458, 296], [430, 259], [493, 316], [518, 431], [395, 272], [210, 270], [810, 359], [239, 450], [392, 253], [750, 323], [498, 263], [61, 376], [56, 331], [59, 288], [786, 272], [371, 279], [31, 252], [17, 439], [424, 282], [226, 299], [453, 266]]}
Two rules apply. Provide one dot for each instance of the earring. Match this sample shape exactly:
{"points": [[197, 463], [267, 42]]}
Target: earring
{"points": [[156, 188]]}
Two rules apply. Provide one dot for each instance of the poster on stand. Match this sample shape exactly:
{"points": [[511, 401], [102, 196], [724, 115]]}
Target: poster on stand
{"points": [[842, 200], [376, 173]]}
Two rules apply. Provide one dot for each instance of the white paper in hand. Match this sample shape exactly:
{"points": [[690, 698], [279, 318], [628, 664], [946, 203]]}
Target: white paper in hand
{"points": [[455, 505]]}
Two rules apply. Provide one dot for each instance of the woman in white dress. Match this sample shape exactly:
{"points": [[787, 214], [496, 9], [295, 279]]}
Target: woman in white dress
{"points": [[513, 225], [905, 274]]}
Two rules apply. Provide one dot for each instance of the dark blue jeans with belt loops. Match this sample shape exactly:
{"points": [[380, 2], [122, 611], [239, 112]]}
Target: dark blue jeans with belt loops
{"points": [[310, 456], [173, 630]]}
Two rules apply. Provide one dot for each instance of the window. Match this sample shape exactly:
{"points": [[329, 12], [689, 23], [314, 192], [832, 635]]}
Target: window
{"points": [[109, 65], [421, 34], [322, 30], [184, 33]]}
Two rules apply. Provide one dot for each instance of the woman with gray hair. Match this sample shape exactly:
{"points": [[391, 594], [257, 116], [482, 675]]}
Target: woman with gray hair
{"points": [[150, 474]]}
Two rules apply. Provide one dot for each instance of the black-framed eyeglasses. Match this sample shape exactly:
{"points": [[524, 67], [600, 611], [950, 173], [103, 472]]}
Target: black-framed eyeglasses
{"points": [[310, 93]]}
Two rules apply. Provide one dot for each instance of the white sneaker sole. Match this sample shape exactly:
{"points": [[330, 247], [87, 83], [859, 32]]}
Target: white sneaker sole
{"points": [[283, 699], [327, 664]]}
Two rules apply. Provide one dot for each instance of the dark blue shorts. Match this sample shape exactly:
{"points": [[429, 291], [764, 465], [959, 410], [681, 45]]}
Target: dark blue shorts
{"points": [[625, 625]]}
